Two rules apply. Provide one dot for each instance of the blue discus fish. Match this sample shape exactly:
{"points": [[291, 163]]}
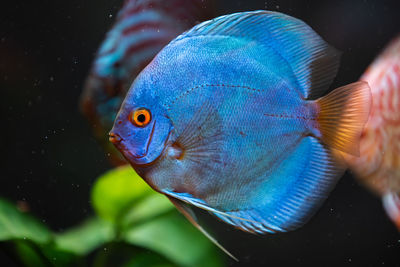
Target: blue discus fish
{"points": [[225, 118]]}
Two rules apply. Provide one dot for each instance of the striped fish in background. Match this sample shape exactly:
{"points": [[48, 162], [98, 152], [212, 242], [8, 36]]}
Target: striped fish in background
{"points": [[141, 29], [378, 167]]}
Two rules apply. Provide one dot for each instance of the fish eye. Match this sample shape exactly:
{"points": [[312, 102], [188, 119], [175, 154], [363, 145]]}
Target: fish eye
{"points": [[140, 117]]}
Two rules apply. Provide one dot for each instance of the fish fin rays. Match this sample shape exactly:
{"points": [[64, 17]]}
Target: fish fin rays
{"points": [[313, 61], [202, 136], [189, 214], [307, 186], [391, 203], [343, 114], [187, 198]]}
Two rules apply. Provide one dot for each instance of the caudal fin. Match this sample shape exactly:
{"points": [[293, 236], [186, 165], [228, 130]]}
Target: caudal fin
{"points": [[391, 203], [342, 116]]}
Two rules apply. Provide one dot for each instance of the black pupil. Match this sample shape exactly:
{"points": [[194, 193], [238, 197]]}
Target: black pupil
{"points": [[141, 118]]}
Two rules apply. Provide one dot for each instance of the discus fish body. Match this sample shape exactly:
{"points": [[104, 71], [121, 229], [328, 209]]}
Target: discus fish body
{"points": [[223, 119], [141, 29], [378, 166]]}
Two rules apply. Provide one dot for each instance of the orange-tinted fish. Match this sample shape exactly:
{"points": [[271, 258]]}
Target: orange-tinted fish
{"points": [[378, 166]]}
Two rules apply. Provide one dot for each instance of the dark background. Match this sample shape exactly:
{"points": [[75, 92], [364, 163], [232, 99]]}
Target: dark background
{"points": [[49, 158]]}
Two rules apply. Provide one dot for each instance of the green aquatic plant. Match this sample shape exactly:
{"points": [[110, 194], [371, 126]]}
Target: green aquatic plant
{"points": [[133, 226]]}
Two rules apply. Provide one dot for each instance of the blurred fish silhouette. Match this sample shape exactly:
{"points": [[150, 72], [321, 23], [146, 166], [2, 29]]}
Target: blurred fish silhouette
{"points": [[223, 119], [142, 28], [378, 166]]}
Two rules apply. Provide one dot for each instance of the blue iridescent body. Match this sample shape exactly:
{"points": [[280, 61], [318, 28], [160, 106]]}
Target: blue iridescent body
{"points": [[223, 119]]}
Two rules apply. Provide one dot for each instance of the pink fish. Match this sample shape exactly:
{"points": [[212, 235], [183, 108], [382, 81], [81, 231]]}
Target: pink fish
{"points": [[378, 166]]}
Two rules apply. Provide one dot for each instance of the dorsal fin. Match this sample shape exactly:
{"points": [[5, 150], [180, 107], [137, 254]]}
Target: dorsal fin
{"points": [[313, 61]]}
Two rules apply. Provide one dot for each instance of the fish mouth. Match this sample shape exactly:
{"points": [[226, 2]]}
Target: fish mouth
{"points": [[118, 142]]}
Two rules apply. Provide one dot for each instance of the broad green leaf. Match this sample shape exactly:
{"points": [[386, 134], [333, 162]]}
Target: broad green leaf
{"points": [[29, 255], [148, 259], [123, 254], [15, 224], [147, 219], [153, 205], [60, 258], [85, 238], [176, 239], [116, 191]]}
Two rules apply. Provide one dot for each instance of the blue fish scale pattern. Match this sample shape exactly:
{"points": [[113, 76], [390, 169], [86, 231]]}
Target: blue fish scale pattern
{"points": [[268, 27], [236, 91]]}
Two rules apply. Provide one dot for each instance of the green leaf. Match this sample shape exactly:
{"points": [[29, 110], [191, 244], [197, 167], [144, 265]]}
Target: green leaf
{"points": [[176, 239], [29, 255], [145, 259], [147, 219], [123, 254], [152, 206], [15, 224], [116, 191], [85, 238], [60, 258]]}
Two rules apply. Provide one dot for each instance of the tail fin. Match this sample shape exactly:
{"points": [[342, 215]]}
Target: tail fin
{"points": [[391, 203], [342, 116]]}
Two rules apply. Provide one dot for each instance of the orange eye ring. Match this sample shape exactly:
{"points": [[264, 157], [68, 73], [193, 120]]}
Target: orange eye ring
{"points": [[140, 117]]}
